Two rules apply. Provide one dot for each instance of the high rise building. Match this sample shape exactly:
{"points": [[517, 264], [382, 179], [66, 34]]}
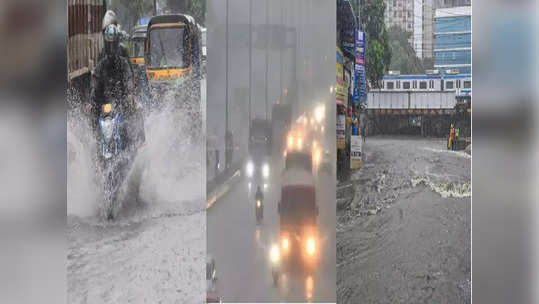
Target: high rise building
{"points": [[401, 13], [453, 39], [429, 8]]}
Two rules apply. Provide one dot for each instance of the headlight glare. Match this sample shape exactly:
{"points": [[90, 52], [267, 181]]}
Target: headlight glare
{"points": [[265, 170]]}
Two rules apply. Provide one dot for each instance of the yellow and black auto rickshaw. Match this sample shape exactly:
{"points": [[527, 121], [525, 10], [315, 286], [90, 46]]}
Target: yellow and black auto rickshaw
{"points": [[173, 54], [136, 54]]}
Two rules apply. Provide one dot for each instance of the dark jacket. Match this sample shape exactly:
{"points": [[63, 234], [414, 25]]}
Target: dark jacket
{"points": [[112, 81]]}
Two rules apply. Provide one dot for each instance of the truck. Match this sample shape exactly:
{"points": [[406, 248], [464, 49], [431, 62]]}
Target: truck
{"points": [[298, 227]]}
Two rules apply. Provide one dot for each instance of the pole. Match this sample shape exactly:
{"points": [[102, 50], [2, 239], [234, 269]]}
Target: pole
{"points": [[226, 90], [281, 60], [154, 7], [267, 54], [250, 55]]}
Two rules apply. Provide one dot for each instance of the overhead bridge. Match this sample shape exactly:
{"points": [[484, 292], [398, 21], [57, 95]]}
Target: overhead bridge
{"points": [[411, 103]]}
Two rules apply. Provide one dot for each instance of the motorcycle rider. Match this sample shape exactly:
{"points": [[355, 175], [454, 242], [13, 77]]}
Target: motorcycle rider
{"points": [[259, 195], [108, 19], [112, 81]]}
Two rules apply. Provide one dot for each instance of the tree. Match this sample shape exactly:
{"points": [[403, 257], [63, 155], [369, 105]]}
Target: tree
{"points": [[195, 8], [404, 58], [378, 52]]}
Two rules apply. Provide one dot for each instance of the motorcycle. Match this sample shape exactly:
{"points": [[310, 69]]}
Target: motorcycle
{"points": [[115, 155], [259, 211]]}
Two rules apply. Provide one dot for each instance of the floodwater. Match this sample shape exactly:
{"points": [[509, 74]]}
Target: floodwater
{"points": [[404, 224]]}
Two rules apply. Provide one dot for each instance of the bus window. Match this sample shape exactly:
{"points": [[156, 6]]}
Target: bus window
{"points": [[390, 85], [406, 85], [467, 84], [449, 85], [423, 85]]}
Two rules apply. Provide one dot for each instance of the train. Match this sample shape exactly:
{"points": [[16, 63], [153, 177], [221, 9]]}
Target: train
{"points": [[450, 81]]}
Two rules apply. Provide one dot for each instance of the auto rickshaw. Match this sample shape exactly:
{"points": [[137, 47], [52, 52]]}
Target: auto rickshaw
{"points": [[136, 54], [173, 54]]}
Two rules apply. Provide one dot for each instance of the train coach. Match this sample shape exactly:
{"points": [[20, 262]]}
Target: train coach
{"points": [[461, 84]]}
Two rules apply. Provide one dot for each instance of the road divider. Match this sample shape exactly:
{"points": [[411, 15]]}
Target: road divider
{"points": [[220, 190]]}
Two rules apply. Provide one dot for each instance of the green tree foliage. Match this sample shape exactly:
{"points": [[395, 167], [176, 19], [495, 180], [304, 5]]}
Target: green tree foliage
{"points": [[195, 8], [404, 58], [378, 52]]}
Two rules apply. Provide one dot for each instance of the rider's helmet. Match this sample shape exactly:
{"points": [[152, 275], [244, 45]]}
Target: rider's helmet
{"points": [[111, 37], [111, 33], [108, 19]]}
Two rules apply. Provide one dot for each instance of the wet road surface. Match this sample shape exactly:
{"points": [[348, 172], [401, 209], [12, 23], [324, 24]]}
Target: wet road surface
{"points": [[241, 248], [404, 224]]}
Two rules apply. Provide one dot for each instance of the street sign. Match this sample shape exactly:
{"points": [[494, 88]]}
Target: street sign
{"points": [[356, 145]]}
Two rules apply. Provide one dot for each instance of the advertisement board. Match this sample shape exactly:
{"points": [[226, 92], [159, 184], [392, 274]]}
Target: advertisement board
{"points": [[339, 89], [360, 72], [341, 131], [356, 145]]}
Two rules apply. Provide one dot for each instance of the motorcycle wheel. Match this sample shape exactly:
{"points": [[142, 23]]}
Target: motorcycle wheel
{"points": [[109, 197]]}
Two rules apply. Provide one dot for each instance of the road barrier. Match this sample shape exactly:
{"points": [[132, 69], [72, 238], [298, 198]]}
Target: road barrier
{"points": [[221, 184]]}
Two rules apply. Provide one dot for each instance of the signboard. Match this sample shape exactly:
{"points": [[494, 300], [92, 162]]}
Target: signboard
{"points": [[360, 73], [341, 133], [356, 144], [339, 89]]}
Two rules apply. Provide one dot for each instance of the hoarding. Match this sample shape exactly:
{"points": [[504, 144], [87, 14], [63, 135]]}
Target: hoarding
{"points": [[360, 72], [356, 145], [341, 131]]}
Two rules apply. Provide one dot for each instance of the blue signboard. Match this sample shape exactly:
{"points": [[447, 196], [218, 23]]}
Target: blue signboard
{"points": [[360, 77]]}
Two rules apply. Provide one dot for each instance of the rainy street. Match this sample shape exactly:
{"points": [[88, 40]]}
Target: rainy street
{"points": [[155, 250], [403, 224]]}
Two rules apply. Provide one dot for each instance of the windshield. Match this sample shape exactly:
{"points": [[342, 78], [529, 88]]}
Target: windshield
{"points": [[259, 130], [299, 160], [168, 48], [138, 48], [298, 205]]}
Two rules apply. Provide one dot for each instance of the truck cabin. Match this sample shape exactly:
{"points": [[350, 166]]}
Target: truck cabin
{"points": [[299, 159], [259, 138], [172, 47], [298, 206]]}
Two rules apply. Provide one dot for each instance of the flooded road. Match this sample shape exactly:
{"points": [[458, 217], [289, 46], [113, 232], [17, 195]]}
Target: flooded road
{"points": [[403, 224], [154, 250]]}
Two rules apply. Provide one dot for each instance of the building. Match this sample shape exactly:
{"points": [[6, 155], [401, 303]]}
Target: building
{"points": [[428, 9], [453, 39], [452, 3], [402, 13]]}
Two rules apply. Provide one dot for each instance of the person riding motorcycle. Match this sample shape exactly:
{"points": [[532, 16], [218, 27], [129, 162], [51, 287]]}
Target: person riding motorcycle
{"points": [[259, 195], [112, 81], [110, 19]]}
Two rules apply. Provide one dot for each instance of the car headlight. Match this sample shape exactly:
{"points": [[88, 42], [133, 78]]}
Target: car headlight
{"points": [[274, 254], [265, 170], [285, 244], [250, 169], [310, 246], [107, 127], [290, 141]]}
